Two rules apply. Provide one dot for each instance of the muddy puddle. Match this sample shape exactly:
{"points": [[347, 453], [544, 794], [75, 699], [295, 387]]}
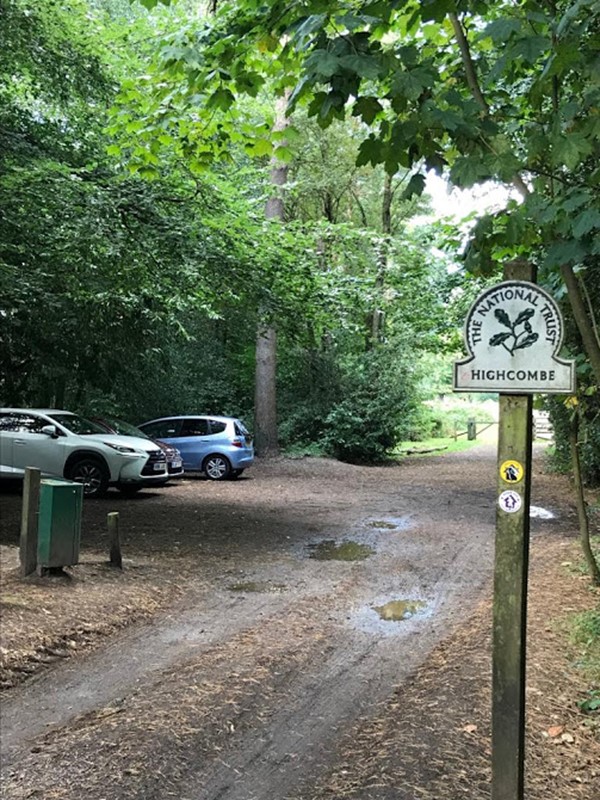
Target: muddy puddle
{"points": [[374, 537], [258, 586], [330, 550], [399, 610], [389, 524], [395, 616]]}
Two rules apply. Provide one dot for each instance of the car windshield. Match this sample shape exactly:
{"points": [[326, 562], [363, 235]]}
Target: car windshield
{"points": [[125, 428], [77, 424]]}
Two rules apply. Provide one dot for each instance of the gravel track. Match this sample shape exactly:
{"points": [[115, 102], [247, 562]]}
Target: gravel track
{"points": [[281, 674]]}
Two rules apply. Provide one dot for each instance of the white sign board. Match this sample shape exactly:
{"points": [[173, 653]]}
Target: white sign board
{"points": [[513, 333]]}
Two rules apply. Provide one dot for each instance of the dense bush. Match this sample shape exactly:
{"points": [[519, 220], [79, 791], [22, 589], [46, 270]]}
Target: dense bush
{"points": [[376, 411], [588, 392], [310, 386], [589, 437], [358, 408], [425, 423], [355, 407]]}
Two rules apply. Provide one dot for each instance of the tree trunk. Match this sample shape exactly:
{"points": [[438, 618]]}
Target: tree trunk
{"points": [[584, 525], [582, 320], [265, 396], [265, 419], [378, 316], [60, 385]]}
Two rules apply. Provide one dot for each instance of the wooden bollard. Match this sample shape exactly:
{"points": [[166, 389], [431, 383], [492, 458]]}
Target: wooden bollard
{"points": [[29, 521], [471, 430], [116, 560]]}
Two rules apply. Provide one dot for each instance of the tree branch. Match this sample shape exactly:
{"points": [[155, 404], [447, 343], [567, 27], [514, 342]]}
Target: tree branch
{"points": [[361, 209], [468, 64], [473, 83]]}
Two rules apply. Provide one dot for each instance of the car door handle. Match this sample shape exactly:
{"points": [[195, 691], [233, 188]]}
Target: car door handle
{"points": [[19, 441]]}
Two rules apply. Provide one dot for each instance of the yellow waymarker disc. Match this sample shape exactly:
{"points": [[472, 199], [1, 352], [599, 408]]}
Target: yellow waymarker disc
{"points": [[512, 472]]}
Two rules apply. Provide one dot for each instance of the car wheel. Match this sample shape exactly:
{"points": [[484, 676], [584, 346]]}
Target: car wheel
{"points": [[129, 489], [235, 473], [216, 467], [92, 474]]}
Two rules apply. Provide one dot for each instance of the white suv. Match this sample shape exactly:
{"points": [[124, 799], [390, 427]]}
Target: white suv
{"points": [[66, 445]]}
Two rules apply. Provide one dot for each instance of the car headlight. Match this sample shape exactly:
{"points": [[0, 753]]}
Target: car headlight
{"points": [[120, 448]]}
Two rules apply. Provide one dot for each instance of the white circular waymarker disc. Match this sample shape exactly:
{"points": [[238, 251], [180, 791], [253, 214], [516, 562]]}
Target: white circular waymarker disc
{"points": [[510, 501]]}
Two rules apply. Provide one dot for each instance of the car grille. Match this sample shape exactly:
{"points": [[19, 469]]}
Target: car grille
{"points": [[155, 457]]}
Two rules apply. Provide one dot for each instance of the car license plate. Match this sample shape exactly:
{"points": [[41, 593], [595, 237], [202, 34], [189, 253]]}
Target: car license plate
{"points": [[159, 468], [176, 464]]}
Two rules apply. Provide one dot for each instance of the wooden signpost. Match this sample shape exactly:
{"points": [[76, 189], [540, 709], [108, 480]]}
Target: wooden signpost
{"points": [[513, 334]]}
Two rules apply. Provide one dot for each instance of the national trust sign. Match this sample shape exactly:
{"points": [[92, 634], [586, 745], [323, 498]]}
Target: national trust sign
{"points": [[513, 333]]}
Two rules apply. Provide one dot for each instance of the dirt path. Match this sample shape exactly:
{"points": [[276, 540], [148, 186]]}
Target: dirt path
{"points": [[245, 690]]}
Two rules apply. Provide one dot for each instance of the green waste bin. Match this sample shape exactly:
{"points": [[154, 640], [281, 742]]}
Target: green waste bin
{"points": [[59, 523]]}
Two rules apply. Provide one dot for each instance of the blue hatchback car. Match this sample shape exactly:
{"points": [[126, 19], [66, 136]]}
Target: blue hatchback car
{"points": [[221, 447]]}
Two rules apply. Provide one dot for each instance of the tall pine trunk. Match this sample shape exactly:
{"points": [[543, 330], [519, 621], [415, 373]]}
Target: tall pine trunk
{"points": [[265, 393], [377, 316]]}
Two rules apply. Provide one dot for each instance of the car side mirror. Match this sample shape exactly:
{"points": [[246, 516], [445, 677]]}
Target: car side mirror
{"points": [[50, 430]]}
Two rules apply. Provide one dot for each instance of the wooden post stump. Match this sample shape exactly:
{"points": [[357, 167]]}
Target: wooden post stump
{"points": [[28, 542], [116, 559]]}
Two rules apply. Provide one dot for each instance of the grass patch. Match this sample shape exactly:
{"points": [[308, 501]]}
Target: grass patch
{"points": [[438, 445], [449, 445], [585, 639], [579, 566]]}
